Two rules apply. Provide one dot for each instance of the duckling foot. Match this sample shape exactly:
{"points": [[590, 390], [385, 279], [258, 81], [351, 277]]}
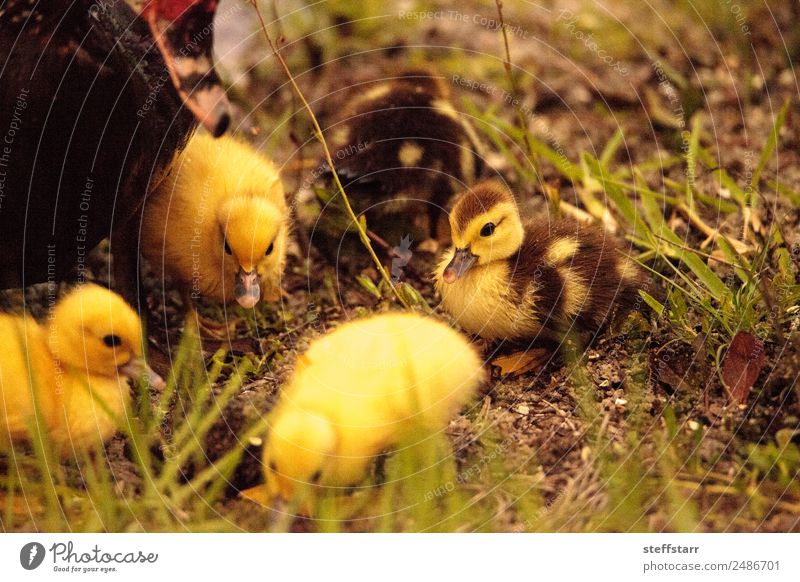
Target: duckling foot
{"points": [[208, 328], [257, 494], [275, 294], [260, 496]]}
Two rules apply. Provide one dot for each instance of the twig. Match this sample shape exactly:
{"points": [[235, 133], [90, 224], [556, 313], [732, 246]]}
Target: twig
{"points": [[697, 252], [578, 214], [710, 232], [380, 241], [321, 138]]}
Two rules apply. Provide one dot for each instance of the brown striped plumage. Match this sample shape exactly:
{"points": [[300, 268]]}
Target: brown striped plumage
{"points": [[400, 146], [519, 281]]}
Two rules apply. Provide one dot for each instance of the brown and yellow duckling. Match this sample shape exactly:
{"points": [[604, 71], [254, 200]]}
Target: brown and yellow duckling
{"points": [[218, 226], [505, 279], [400, 146]]}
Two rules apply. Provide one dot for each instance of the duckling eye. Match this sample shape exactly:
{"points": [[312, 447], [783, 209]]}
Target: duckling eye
{"points": [[316, 476], [488, 229], [227, 247], [112, 340], [270, 248], [273, 467]]}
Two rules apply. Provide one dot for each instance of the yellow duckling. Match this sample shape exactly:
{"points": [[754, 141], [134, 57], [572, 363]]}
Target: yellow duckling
{"points": [[218, 225], [505, 279], [72, 370], [357, 391]]}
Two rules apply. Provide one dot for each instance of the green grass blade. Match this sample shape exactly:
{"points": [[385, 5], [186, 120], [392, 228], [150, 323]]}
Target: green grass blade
{"points": [[652, 302], [769, 147], [691, 160], [611, 148]]}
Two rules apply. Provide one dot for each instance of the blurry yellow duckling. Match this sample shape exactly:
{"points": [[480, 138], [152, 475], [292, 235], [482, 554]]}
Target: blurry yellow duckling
{"points": [[505, 279], [72, 370], [357, 391], [218, 225]]}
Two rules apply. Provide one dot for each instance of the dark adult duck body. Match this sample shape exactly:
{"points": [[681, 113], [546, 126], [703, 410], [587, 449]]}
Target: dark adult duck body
{"points": [[95, 98]]}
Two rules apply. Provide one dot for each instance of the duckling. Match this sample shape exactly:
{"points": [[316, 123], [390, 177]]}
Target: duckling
{"points": [[506, 279], [357, 391], [218, 225], [401, 147], [69, 375]]}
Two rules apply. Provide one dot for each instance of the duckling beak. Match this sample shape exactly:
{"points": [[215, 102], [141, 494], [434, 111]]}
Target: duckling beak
{"points": [[462, 260], [137, 369], [247, 290], [177, 29]]}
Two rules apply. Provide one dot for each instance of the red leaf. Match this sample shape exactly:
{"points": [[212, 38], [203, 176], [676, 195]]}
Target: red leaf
{"points": [[742, 364]]}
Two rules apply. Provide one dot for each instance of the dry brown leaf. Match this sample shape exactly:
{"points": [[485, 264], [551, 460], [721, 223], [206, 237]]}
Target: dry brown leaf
{"points": [[519, 363], [742, 365]]}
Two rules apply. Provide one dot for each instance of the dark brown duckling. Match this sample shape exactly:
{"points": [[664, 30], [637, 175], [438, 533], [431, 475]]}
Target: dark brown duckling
{"points": [[400, 146]]}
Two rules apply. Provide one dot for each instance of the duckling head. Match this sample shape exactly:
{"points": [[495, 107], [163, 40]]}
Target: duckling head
{"points": [[95, 330], [298, 448], [425, 81], [485, 226], [253, 234]]}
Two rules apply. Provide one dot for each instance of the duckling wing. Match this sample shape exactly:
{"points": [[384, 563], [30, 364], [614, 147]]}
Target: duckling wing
{"points": [[574, 273]]}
